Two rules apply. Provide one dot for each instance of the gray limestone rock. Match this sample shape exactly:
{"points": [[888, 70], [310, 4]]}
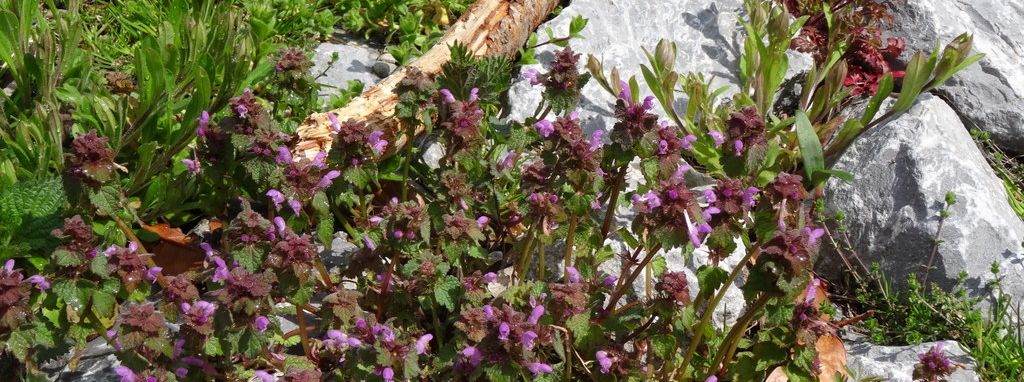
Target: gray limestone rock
{"points": [[706, 31], [356, 60], [903, 170], [990, 94], [896, 363]]}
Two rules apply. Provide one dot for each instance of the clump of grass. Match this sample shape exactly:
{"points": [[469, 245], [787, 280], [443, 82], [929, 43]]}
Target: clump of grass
{"points": [[924, 312], [1009, 168]]}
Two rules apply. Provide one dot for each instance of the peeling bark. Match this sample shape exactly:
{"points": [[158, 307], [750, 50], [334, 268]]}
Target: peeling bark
{"points": [[489, 28]]}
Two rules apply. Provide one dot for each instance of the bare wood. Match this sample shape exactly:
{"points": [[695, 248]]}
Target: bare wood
{"points": [[489, 28]]}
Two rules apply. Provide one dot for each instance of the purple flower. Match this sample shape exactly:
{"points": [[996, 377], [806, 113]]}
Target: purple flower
{"points": [[9, 265], [320, 160], [813, 235], [738, 144], [383, 333], [40, 282], [192, 166], [812, 290], [507, 160], [625, 94], [264, 376], [388, 374], [276, 197], [376, 144], [688, 141], [328, 179], [717, 137], [748, 196], [646, 203], [296, 205], [283, 155], [222, 272], [533, 76], [489, 277], [204, 123], [605, 361], [369, 243], [609, 281], [260, 323], [423, 342], [153, 273], [488, 312], [126, 374], [544, 127], [536, 313], [527, 339], [713, 378], [710, 196], [207, 248], [335, 125], [202, 310], [472, 356], [707, 213], [474, 94], [503, 331], [280, 224], [181, 372], [691, 230], [481, 222], [574, 274], [447, 95], [538, 368], [179, 347], [596, 140]]}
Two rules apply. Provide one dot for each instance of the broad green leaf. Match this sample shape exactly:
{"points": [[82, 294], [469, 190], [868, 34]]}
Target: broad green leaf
{"points": [[810, 147]]}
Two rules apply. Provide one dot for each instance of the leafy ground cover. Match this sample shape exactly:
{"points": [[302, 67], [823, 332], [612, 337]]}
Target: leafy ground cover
{"points": [[115, 142]]}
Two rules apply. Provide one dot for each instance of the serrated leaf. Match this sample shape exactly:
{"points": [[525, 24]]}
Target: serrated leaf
{"points": [[444, 291], [98, 266], [249, 257], [65, 258], [103, 303], [710, 279], [664, 346]]}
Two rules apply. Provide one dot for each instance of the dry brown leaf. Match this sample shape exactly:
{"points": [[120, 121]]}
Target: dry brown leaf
{"points": [[777, 375], [168, 233], [831, 358], [177, 259]]}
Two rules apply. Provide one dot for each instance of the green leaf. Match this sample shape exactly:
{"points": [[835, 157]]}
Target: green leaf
{"points": [[664, 346], [106, 200], [65, 258], [98, 266], [710, 279], [103, 304], [249, 257], [810, 147], [577, 25], [884, 90], [445, 290]]}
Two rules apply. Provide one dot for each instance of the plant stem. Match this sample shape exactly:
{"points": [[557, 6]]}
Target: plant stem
{"points": [[524, 255], [300, 316], [405, 164], [935, 249], [569, 241], [628, 283], [541, 262], [728, 347], [613, 199], [705, 319]]}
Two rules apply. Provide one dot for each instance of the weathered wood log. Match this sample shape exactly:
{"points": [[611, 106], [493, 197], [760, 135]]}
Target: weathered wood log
{"points": [[488, 28]]}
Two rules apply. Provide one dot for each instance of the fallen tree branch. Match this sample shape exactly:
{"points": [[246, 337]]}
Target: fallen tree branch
{"points": [[489, 28]]}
